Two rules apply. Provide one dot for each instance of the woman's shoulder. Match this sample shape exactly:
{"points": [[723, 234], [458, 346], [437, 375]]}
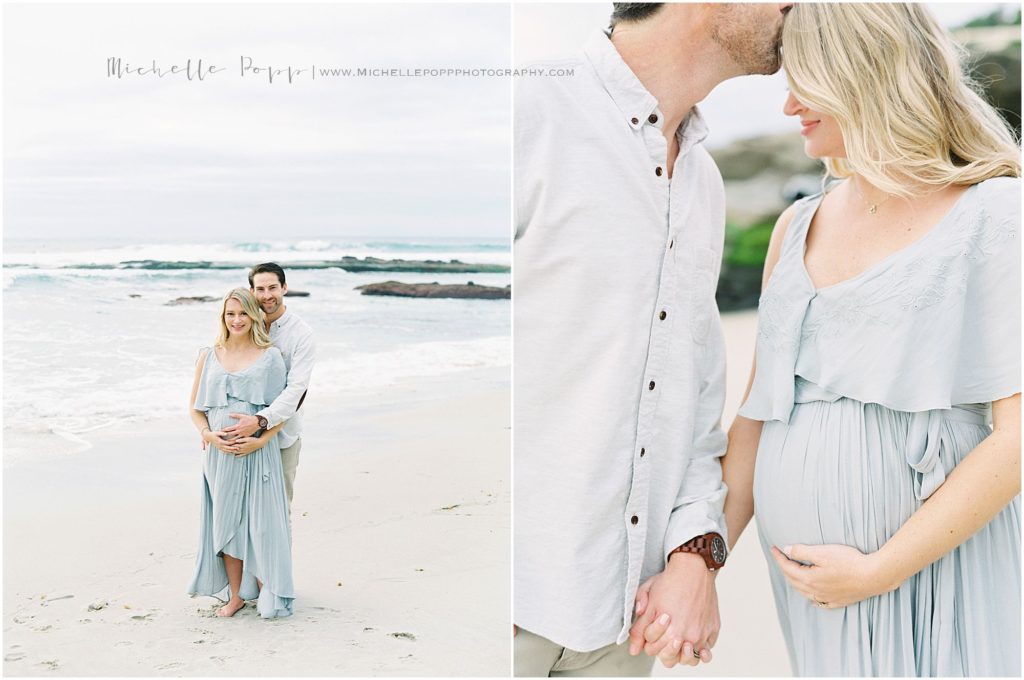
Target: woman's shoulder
{"points": [[274, 356], [1000, 193]]}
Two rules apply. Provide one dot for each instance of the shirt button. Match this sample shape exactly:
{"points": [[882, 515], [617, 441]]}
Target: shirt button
{"points": [[657, 171], [662, 315], [642, 452], [634, 121], [634, 520], [651, 386], [652, 119]]}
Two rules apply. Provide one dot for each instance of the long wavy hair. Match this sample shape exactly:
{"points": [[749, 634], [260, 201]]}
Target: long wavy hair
{"points": [[893, 80], [258, 331]]}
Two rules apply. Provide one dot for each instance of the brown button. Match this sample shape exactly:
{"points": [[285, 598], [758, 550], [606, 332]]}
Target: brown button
{"points": [[652, 119], [662, 315], [635, 520], [657, 171], [642, 452], [634, 121], [651, 386]]}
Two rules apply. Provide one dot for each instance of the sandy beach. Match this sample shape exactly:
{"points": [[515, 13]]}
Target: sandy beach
{"points": [[400, 547]]}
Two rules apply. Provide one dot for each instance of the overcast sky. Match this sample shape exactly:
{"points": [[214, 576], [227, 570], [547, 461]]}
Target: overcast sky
{"points": [[237, 157], [741, 107]]}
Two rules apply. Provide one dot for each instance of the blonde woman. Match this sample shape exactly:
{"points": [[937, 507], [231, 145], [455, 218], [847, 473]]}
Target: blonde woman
{"points": [[245, 540], [884, 406]]}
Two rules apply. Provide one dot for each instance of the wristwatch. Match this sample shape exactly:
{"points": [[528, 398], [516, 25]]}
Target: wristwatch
{"points": [[262, 421], [710, 546]]}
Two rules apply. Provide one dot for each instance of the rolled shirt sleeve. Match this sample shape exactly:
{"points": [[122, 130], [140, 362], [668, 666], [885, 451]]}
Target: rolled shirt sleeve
{"points": [[698, 508]]}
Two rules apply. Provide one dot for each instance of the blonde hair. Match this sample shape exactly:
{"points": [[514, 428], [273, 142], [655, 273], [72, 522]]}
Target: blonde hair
{"points": [[251, 308], [892, 78]]}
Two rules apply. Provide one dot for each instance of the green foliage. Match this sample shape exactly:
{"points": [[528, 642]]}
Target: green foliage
{"points": [[995, 18], [747, 246]]}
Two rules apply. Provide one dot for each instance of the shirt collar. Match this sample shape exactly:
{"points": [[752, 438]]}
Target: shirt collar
{"points": [[282, 320], [630, 95]]}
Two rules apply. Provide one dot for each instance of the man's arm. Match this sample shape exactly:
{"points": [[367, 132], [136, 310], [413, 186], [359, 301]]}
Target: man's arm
{"points": [[286, 403], [299, 374], [685, 590]]}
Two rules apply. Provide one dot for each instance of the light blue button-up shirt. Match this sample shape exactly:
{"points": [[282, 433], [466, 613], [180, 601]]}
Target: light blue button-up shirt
{"points": [[619, 356]]}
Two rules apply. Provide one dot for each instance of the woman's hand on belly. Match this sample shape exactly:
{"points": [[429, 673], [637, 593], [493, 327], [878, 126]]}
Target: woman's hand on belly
{"points": [[832, 575], [243, 446]]}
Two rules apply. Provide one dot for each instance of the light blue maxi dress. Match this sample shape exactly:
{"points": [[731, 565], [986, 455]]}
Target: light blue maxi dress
{"points": [[872, 390], [244, 510]]}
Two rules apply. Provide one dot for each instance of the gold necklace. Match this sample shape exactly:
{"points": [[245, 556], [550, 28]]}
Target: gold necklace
{"points": [[872, 207]]}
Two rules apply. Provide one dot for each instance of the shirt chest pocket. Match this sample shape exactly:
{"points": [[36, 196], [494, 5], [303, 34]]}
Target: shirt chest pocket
{"points": [[702, 284]]}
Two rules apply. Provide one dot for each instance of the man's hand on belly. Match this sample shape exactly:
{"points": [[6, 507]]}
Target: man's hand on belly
{"points": [[245, 427]]}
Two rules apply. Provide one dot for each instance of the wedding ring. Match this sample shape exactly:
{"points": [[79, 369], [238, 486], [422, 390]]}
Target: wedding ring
{"points": [[696, 654], [821, 604]]}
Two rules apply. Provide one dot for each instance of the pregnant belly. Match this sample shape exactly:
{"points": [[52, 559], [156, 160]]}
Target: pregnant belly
{"points": [[219, 417], [847, 472]]}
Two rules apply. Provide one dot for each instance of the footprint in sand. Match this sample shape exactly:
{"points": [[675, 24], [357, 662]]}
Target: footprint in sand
{"points": [[50, 665], [143, 617], [170, 666], [14, 656], [42, 629], [122, 643]]}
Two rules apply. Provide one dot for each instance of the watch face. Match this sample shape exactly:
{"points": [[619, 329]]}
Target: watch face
{"points": [[718, 551]]}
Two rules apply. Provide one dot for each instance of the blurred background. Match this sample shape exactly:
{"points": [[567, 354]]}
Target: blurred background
{"points": [[759, 150], [760, 154]]}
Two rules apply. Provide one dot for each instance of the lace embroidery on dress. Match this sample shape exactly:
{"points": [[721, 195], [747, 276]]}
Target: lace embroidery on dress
{"points": [[932, 277]]}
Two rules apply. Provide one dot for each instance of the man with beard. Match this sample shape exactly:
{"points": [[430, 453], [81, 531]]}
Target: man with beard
{"points": [[619, 353], [294, 338]]}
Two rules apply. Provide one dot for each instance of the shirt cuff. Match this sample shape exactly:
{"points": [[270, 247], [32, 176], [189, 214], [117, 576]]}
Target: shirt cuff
{"points": [[695, 519]]}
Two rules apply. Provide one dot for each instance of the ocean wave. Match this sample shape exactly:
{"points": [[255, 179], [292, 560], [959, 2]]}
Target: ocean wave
{"points": [[243, 254]]}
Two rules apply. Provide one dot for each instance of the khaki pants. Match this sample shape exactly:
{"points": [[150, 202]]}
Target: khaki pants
{"points": [[537, 657], [290, 463]]}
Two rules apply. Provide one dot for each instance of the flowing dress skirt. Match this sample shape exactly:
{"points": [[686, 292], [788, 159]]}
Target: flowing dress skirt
{"points": [[843, 471], [244, 514]]}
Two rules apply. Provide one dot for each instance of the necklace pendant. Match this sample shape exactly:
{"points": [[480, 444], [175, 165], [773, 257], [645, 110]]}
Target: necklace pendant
{"points": [[873, 209]]}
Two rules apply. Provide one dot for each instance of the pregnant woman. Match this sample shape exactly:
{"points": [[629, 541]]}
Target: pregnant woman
{"points": [[884, 406], [245, 540]]}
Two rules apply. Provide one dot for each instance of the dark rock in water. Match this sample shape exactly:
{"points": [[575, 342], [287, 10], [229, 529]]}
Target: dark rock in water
{"points": [[373, 264], [296, 293], [192, 300], [436, 290]]}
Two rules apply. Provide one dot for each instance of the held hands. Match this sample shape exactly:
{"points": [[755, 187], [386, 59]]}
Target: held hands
{"points": [[677, 613], [245, 427], [837, 575]]}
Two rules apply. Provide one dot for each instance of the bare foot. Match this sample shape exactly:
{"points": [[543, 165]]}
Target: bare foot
{"points": [[233, 605]]}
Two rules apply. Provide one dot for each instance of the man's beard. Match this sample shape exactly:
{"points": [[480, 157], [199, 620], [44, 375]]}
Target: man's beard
{"points": [[748, 48]]}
